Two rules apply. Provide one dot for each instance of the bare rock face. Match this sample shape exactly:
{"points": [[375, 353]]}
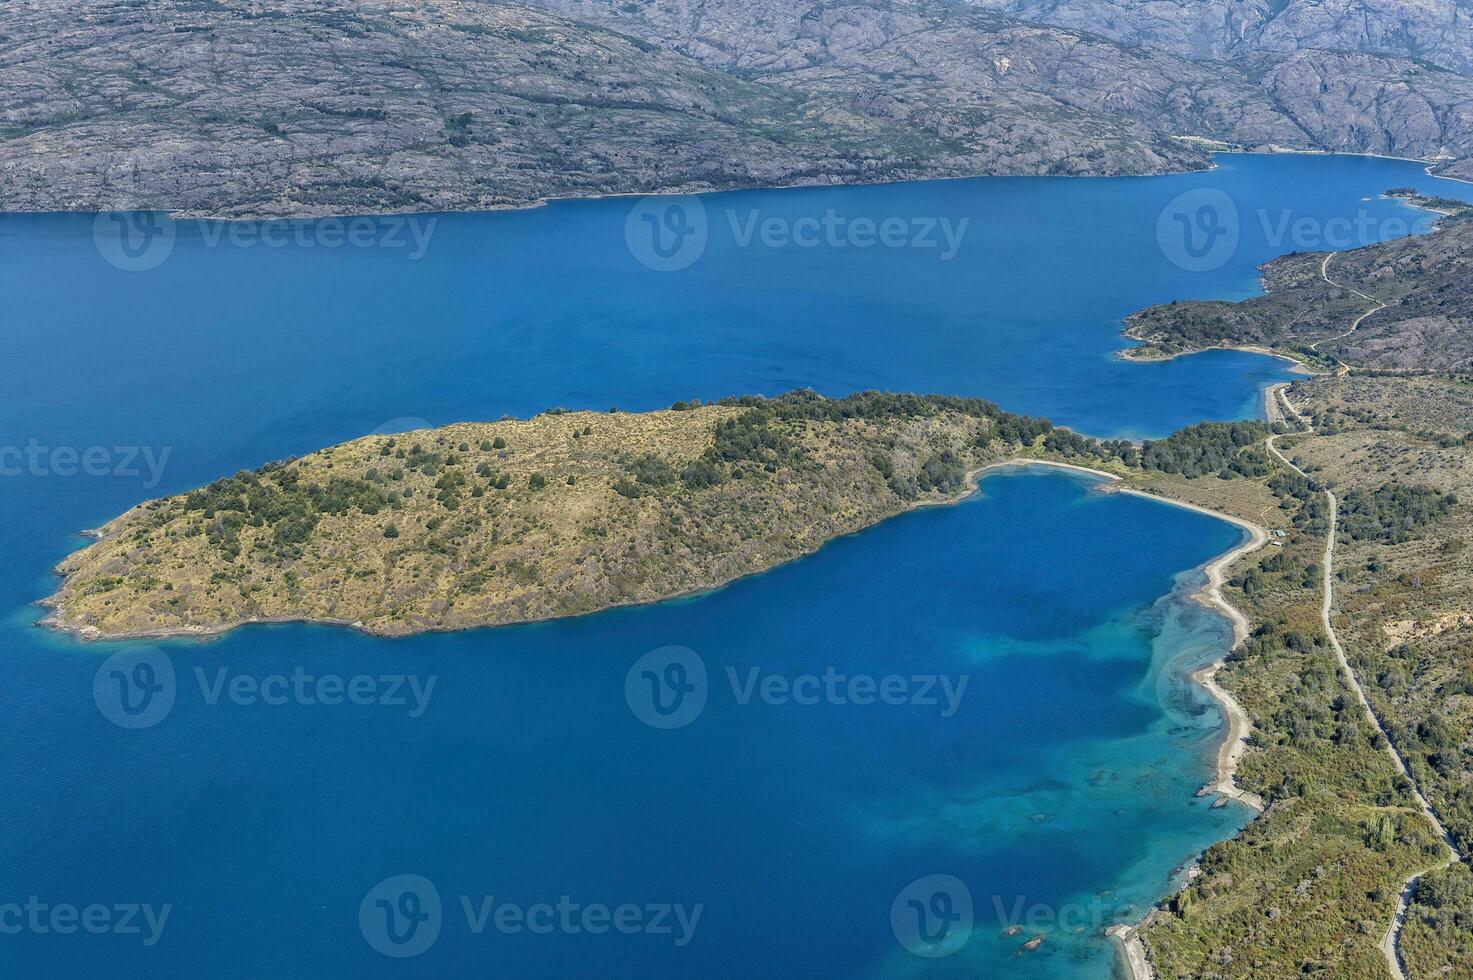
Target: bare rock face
{"points": [[1439, 32], [325, 106], [1370, 104], [1200, 29], [953, 62], [1436, 32], [1413, 344], [958, 69], [309, 107]]}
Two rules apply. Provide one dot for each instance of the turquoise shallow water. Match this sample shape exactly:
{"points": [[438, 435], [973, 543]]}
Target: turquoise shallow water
{"points": [[1062, 786]]}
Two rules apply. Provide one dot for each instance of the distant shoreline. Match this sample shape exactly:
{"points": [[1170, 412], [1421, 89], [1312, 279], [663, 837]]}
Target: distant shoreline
{"points": [[180, 214]]}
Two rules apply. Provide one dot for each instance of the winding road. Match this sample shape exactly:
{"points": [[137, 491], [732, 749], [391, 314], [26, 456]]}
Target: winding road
{"points": [[1393, 934], [1377, 308]]}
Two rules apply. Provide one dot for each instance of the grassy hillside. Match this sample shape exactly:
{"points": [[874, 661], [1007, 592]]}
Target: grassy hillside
{"points": [[1309, 888], [486, 523], [566, 513]]}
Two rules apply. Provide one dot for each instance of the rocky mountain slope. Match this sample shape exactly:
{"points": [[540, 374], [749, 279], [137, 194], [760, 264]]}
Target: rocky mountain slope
{"points": [[324, 106], [1365, 103], [934, 64], [305, 107], [1438, 32], [910, 57]]}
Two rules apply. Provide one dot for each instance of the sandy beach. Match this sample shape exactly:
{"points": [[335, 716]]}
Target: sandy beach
{"points": [[1239, 724], [1132, 952], [1296, 365], [1132, 949], [1210, 595]]}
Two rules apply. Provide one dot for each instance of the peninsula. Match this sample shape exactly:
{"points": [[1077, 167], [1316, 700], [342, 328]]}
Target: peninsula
{"points": [[482, 524], [1403, 306]]}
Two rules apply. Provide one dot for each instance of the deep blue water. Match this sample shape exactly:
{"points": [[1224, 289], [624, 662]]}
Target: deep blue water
{"points": [[1064, 780]]}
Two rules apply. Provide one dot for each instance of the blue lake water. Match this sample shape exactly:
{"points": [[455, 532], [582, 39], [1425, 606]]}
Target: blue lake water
{"points": [[1060, 792]]}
